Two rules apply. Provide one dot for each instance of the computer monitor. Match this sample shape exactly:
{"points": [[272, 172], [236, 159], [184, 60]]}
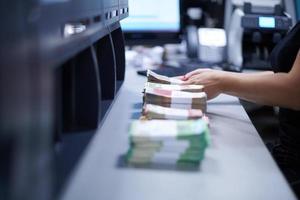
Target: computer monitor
{"points": [[152, 22]]}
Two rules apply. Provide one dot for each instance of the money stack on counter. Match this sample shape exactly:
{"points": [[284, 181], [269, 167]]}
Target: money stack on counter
{"points": [[175, 99], [173, 129], [168, 142]]}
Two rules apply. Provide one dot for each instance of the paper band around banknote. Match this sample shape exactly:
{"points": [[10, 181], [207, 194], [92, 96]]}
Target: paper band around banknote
{"points": [[184, 88], [179, 106], [166, 129], [156, 78], [151, 111], [178, 96]]}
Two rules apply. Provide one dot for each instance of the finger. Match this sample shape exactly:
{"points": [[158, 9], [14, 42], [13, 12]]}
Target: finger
{"points": [[187, 82], [178, 77], [195, 72], [192, 73], [191, 81], [183, 78]]}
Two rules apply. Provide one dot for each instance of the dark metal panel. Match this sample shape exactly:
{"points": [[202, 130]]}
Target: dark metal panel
{"points": [[107, 67], [81, 95], [57, 47], [123, 9], [119, 48], [26, 103], [33, 43]]}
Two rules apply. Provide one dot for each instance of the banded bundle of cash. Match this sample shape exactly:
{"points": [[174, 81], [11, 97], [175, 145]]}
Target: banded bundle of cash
{"points": [[175, 99], [156, 78], [151, 111], [184, 88], [167, 142]]}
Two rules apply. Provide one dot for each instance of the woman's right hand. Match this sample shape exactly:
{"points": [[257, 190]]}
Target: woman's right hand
{"points": [[210, 79], [192, 73]]}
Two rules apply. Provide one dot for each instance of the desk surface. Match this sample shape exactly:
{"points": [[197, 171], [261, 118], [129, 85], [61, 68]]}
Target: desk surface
{"points": [[237, 165]]}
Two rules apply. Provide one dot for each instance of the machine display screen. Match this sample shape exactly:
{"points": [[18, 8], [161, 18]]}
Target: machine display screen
{"points": [[266, 22]]}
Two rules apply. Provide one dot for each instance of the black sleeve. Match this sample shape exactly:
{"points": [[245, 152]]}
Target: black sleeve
{"points": [[284, 53]]}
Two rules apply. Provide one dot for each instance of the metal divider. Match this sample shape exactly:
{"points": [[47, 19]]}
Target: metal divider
{"points": [[107, 67], [119, 47], [81, 92]]}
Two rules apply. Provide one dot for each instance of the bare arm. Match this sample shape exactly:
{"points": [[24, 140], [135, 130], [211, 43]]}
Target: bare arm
{"points": [[278, 89]]}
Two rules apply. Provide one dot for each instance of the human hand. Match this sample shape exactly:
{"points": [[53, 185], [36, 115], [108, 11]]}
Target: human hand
{"points": [[179, 77], [210, 79], [192, 73]]}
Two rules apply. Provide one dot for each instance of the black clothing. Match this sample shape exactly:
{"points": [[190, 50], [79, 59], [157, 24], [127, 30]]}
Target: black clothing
{"points": [[287, 152], [284, 53], [282, 60]]}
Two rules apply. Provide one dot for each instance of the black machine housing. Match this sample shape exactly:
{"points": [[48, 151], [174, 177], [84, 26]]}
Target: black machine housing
{"points": [[62, 63], [262, 31]]}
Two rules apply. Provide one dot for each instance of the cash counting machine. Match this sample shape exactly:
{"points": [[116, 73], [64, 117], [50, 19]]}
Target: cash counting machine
{"points": [[252, 34], [61, 65]]}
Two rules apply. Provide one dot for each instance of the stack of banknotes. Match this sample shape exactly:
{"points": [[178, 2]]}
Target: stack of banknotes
{"points": [[173, 129], [167, 92], [167, 142]]}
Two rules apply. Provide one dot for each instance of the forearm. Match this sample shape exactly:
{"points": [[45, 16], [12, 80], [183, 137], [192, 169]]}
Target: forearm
{"points": [[265, 88]]}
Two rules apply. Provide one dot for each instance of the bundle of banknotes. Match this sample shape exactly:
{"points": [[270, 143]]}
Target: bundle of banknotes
{"points": [[151, 111], [173, 129], [167, 142], [167, 92], [175, 99], [156, 78]]}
